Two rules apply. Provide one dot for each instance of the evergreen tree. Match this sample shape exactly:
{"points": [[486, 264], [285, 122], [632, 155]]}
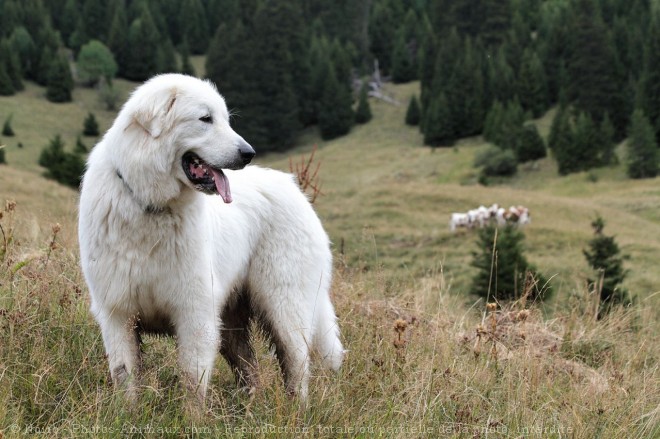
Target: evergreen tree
{"points": [[382, 30], [22, 45], [502, 269], [532, 90], [596, 82], [118, 39], [493, 123], [363, 111], [12, 63], [501, 79], [403, 68], [3, 160], [606, 260], [7, 130], [586, 150], [143, 41], [335, 113], [46, 59], [561, 140], [643, 154], [60, 82], [496, 22], [94, 20], [413, 114], [166, 58], [529, 144], [650, 82], [194, 26], [69, 19], [438, 123], [90, 126], [606, 142], [6, 84]]}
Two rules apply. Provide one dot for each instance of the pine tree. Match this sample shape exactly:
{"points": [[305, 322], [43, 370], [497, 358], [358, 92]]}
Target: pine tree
{"points": [[438, 123], [143, 41], [604, 257], [194, 26], [363, 110], [6, 85], [382, 30], [532, 89], [60, 82], [118, 39], [561, 140], [90, 126], [503, 269], [62, 166], [606, 135], [403, 68], [94, 20], [643, 154], [596, 81], [12, 64], [501, 79], [413, 114], [650, 81], [335, 113], [586, 150]]}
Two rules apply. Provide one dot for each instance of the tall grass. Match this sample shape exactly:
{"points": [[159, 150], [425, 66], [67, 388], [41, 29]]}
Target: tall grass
{"points": [[420, 364]]}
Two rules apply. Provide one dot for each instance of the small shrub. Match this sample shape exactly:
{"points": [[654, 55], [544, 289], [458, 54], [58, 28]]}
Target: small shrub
{"points": [[90, 126], [108, 95], [65, 167], [7, 130], [495, 161]]}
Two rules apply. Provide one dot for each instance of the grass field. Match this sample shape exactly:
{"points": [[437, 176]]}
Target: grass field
{"points": [[426, 358]]}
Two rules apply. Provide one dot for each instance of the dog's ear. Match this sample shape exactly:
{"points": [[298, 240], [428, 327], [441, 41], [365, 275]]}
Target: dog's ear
{"points": [[155, 115]]}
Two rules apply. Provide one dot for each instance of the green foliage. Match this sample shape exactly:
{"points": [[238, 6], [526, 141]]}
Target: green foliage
{"points": [[413, 114], [503, 122], [7, 130], [143, 42], [80, 148], [95, 61], [649, 94], [532, 84], [604, 257], [108, 95], [643, 154], [503, 273], [438, 123], [363, 110], [186, 67], [496, 162], [118, 40], [194, 26], [404, 68], [65, 167], [90, 126], [3, 159], [335, 113], [529, 145], [60, 82], [12, 64], [596, 82]]}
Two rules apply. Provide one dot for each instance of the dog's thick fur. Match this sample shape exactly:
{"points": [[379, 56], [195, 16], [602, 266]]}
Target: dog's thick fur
{"points": [[163, 253]]}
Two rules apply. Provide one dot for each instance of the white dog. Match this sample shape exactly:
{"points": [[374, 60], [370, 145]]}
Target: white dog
{"points": [[163, 253]]}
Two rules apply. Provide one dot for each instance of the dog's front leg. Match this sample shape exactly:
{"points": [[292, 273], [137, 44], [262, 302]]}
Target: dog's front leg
{"points": [[197, 342], [123, 349]]}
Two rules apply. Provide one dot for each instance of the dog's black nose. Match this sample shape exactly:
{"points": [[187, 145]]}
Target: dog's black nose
{"points": [[246, 151]]}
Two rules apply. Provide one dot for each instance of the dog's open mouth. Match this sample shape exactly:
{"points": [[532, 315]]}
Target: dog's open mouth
{"points": [[206, 178]]}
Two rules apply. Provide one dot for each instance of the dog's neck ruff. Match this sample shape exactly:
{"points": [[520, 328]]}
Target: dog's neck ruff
{"points": [[149, 209]]}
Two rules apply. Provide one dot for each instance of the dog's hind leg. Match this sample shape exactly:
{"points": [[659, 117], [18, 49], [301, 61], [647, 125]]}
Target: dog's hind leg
{"points": [[326, 335], [235, 346]]}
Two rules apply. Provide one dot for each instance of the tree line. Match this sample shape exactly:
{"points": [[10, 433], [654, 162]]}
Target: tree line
{"points": [[287, 64]]}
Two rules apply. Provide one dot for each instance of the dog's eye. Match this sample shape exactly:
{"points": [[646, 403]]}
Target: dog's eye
{"points": [[206, 119]]}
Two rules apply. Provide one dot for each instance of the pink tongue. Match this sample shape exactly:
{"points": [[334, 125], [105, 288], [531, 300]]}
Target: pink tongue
{"points": [[222, 185]]}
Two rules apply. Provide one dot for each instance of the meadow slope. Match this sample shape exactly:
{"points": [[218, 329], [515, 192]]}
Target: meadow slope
{"points": [[426, 358]]}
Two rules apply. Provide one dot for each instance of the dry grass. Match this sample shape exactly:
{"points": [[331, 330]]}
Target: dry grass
{"points": [[426, 359], [420, 363]]}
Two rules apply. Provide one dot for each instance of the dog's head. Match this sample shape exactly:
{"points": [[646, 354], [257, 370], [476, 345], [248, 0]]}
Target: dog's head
{"points": [[186, 124]]}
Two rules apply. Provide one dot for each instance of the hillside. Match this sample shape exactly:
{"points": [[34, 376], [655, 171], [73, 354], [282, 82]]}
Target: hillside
{"points": [[386, 202]]}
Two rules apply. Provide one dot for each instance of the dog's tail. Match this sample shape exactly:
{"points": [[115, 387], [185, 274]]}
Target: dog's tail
{"points": [[326, 339]]}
